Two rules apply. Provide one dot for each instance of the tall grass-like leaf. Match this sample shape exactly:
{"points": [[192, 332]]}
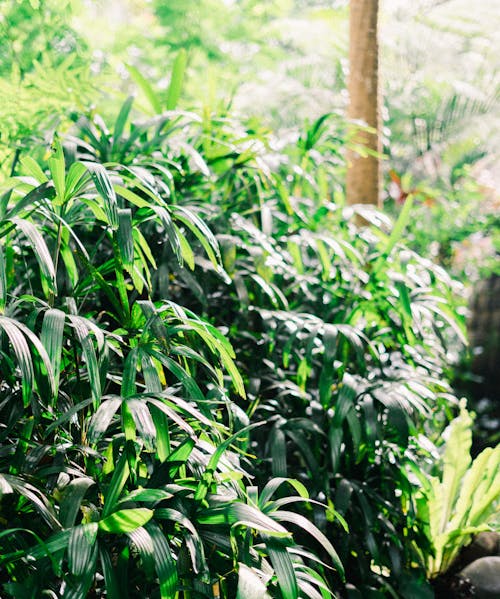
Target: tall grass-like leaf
{"points": [[170, 229], [399, 226], [176, 79], [118, 480], [129, 374], [45, 191], [121, 121], [3, 282], [102, 417], [142, 419], [146, 88], [23, 355], [275, 483], [72, 500], [241, 514], [125, 236], [83, 328], [113, 590], [143, 543], [57, 169], [283, 567], [82, 552], [75, 179], [201, 232], [162, 425], [191, 537], [186, 250], [204, 484], [40, 250], [37, 498], [458, 444], [106, 190], [165, 565], [52, 339], [188, 382], [305, 525], [31, 166]]}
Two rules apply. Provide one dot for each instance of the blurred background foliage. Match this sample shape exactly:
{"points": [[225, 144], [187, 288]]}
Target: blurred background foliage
{"points": [[283, 62]]}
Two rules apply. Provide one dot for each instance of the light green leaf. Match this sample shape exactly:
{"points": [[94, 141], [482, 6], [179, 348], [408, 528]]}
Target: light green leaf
{"points": [[58, 169], [31, 167], [176, 79], [146, 88], [124, 521]]}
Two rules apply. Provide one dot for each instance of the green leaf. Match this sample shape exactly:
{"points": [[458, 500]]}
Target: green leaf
{"points": [[143, 543], [31, 167], [190, 534], [146, 88], [283, 567], [120, 476], [113, 590], [121, 121], [176, 79], [206, 481], [23, 355], [278, 452], [142, 419], [44, 191], [33, 495], [398, 229], [3, 282], [58, 169], [186, 251], [305, 525], [204, 235], [125, 236], [456, 461], [75, 179], [82, 552], [71, 503], [162, 426], [273, 485], [52, 339], [164, 562], [40, 250], [124, 521], [242, 514], [83, 329], [106, 190], [147, 495]]}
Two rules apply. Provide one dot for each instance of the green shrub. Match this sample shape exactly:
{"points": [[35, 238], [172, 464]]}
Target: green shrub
{"points": [[340, 334], [120, 466]]}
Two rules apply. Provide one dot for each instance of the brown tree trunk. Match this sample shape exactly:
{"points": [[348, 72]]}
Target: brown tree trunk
{"points": [[363, 179]]}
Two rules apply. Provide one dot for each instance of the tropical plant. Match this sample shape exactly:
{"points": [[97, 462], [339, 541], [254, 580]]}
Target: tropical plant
{"points": [[462, 500], [120, 468], [339, 333]]}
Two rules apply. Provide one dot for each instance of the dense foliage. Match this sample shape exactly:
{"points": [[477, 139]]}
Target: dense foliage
{"points": [[123, 289], [214, 382]]}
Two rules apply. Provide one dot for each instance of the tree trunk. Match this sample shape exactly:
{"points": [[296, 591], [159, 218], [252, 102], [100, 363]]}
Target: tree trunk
{"points": [[363, 179]]}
